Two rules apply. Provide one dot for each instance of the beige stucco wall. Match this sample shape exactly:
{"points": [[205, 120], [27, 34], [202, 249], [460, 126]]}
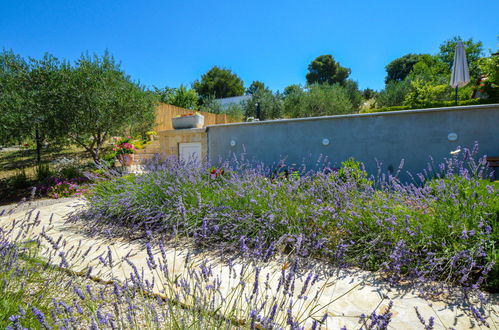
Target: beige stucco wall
{"points": [[169, 140]]}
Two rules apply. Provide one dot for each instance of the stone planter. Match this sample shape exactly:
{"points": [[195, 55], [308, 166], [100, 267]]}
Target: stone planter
{"points": [[194, 121], [126, 159]]}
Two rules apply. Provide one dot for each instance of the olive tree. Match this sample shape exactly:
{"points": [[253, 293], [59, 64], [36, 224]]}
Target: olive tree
{"points": [[103, 102]]}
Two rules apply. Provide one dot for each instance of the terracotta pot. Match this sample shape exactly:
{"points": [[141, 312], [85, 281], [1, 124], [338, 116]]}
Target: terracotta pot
{"points": [[126, 159]]}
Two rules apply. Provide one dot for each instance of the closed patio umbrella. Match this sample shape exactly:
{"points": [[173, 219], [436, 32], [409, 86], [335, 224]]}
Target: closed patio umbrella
{"points": [[460, 74]]}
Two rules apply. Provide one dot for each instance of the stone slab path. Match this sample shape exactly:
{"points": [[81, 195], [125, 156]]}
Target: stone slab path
{"points": [[345, 295]]}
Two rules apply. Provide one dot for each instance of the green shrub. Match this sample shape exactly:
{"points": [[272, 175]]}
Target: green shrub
{"points": [[353, 170], [437, 104], [43, 172], [19, 180]]}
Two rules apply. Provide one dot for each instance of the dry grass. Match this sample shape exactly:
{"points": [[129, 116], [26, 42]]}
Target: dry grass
{"points": [[11, 162]]}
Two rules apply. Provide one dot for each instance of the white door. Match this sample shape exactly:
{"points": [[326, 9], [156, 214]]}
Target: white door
{"points": [[190, 152]]}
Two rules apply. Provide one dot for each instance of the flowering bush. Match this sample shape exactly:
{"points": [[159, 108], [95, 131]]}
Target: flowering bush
{"points": [[66, 188], [445, 228], [59, 187], [216, 172], [124, 146], [188, 114]]}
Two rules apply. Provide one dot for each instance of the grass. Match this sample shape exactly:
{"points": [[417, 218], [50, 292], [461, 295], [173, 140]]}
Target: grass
{"points": [[11, 162], [19, 171]]}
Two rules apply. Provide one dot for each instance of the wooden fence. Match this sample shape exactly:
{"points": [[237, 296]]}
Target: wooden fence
{"points": [[165, 113]]}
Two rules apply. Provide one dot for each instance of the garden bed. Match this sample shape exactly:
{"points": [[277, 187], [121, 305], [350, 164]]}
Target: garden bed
{"points": [[443, 228]]}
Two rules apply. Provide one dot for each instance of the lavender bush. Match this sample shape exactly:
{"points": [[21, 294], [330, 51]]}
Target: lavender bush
{"points": [[442, 226], [46, 293]]}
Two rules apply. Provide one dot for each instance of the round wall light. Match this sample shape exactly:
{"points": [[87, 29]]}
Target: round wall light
{"points": [[452, 137], [232, 143], [325, 142]]}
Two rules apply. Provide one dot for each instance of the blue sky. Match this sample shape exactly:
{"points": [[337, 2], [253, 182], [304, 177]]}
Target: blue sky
{"points": [[166, 43]]}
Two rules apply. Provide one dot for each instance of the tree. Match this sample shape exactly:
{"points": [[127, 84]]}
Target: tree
{"points": [[180, 97], [490, 84], [369, 94], [431, 69], [292, 90], [355, 96], [103, 102], [12, 68], [393, 94], [255, 85], [325, 70], [474, 51], [400, 68], [318, 100], [219, 83], [31, 97], [271, 105]]}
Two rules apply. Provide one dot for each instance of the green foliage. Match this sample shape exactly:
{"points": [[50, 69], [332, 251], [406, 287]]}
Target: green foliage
{"points": [[211, 105], [490, 85], [271, 105], [433, 104], [180, 97], [27, 291], [445, 218], [318, 100], [219, 83], [400, 68], [325, 70], [353, 171], [31, 94], [422, 93], [104, 102], [369, 94], [19, 180], [12, 69], [50, 100], [354, 95], [431, 69], [292, 89], [43, 172], [474, 51], [393, 94], [255, 86]]}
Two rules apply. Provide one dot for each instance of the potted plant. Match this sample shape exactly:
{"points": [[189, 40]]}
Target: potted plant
{"points": [[151, 135], [191, 120], [125, 150]]}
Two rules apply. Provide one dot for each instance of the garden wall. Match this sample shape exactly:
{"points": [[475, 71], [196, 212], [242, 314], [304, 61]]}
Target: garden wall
{"points": [[412, 135]]}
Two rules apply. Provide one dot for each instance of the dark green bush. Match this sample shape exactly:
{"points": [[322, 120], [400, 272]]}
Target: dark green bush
{"points": [[19, 180]]}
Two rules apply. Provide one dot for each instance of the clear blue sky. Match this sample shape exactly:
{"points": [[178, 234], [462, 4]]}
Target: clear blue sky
{"points": [[166, 43]]}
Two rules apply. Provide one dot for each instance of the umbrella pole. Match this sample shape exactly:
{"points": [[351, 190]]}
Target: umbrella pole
{"points": [[456, 94]]}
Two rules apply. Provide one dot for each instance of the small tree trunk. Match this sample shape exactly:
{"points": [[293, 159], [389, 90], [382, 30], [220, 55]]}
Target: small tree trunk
{"points": [[38, 146]]}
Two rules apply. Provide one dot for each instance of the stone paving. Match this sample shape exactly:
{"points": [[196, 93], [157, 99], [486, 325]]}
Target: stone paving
{"points": [[345, 295]]}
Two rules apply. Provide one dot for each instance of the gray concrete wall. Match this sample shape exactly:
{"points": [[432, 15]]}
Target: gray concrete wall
{"points": [[389, 137]]}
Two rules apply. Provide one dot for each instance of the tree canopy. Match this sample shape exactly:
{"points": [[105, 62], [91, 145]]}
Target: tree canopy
{"points": [[180, 97], [85, 103], [255, 86], [105, 102], [219, 83], [474, 51], [325, 70], [400, 68]]}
